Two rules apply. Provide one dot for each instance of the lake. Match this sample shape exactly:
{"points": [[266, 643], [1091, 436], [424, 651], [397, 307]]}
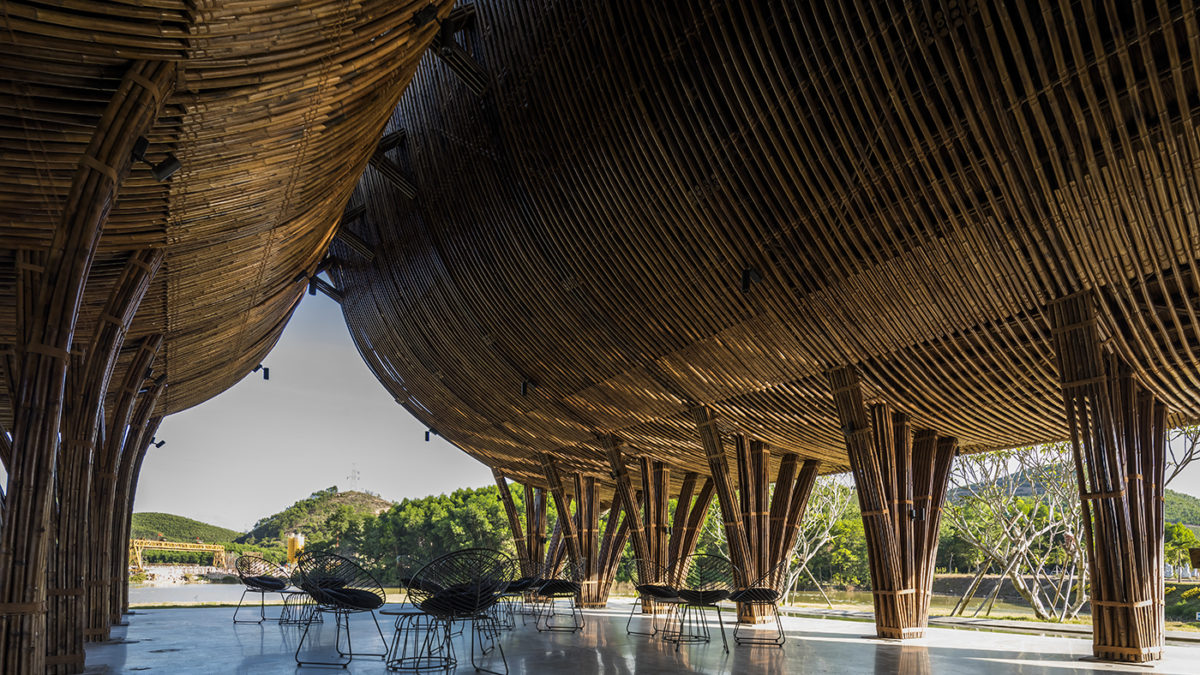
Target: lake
{"points": [[200, 594]]}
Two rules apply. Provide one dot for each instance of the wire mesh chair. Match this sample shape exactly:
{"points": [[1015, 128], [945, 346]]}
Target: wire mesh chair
{"points": [[298, 606], [707, 581], [340, 587], [465, 586], [763, 592], [516, 594], [407, 566], [652, 588], [505, 610], [262, 577], [565, 585]]}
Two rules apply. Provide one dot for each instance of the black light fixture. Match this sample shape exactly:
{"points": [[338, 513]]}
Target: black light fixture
{"points": [[750, 276], [266, 371], [159, 444], [526, 385], [164, 169], [431, 431]]}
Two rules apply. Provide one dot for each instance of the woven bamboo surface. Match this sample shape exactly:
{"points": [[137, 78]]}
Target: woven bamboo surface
{"points": [[277, 108], [905, 189]]}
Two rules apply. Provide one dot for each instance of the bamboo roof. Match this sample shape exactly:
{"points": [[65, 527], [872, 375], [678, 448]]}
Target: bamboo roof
{"points": [[276, 110], [660, 205]]}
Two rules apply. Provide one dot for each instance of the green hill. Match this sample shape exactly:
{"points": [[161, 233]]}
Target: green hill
{"points": [[177, 528], [1181, 508], [309, 516], [1177, 508]]}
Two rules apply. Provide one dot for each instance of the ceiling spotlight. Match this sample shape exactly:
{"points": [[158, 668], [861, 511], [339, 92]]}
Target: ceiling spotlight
{"points": [[159, 444], [750, 276], [426, 436], [164, 169], [526, 385], [266, 371]]}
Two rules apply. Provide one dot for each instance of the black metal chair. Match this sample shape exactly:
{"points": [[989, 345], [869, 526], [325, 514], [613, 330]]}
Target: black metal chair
{"points": [[464, 586], [511, 594], [564, 585], [298, 606], [652, 588], [340, 587], [763, 592], [407, 567], [708, 580], [262, 577], [516, 593]]}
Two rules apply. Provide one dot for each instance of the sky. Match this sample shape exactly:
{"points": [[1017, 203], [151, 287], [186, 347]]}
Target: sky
{"points": [[263, 445]]}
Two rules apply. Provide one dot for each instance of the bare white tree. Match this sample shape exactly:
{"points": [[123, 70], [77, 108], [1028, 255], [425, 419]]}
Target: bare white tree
{"points": [[1183, 447], [1020, 510], [827, 505]]}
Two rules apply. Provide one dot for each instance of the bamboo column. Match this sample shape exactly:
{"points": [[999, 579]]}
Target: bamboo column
{"points": [[595, 559], [530, 539], [761, 529], [514, 523], [646, 515], [587, 527], [535, 525], [103, 502], [901, 487], [89, 384], [127, 490], [48, 328], [1118, 432], [562, 502]]}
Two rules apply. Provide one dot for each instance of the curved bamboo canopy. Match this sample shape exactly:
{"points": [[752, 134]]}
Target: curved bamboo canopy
{"points": [[276, 109], [653, 207]]}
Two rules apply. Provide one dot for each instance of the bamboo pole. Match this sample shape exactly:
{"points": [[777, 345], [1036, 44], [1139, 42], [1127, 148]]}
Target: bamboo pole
{"points": [[120, 551], [1118, 431], [901, 531], [67, 606], [49, 327], [103, 514], [514, 524]]}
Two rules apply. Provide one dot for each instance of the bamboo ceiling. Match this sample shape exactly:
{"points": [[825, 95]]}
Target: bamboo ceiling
{"points": [[277, 108], [902, 189]]}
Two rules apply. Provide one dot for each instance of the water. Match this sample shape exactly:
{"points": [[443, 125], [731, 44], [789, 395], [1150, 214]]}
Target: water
{"points": [[200, 594], [939, 605], [182, 594], [187, 594]]}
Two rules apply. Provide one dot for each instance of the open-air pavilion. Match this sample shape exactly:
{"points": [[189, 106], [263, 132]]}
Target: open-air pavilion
{"points": [[621, 253]]}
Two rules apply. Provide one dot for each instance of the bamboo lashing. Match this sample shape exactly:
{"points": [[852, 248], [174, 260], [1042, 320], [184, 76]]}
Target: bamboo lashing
{"points": [[891, 465], [1118, 432]]}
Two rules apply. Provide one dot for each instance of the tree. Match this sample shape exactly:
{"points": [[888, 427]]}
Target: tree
{"points": [[1020, 510], [1179, 538], [1183, 447], [827, 505]]}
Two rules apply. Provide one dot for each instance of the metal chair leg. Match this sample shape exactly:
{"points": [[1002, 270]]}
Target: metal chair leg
{"points": [[653, 619], [721, 623], [777, 641], [476, 636], [261, 610], [335, 664]]}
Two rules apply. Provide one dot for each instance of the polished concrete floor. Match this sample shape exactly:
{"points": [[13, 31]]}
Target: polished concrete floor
{"points": [[203, 640]]}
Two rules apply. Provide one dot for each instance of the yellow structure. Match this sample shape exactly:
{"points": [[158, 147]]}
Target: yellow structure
{"points": [[295, 545], [136, 546]]}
